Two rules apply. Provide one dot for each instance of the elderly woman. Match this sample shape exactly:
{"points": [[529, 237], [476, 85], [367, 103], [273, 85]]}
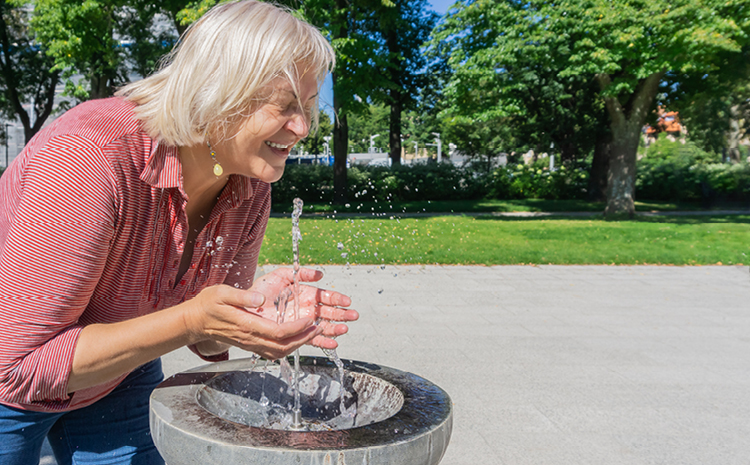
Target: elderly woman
{"points": [[131, 227]]}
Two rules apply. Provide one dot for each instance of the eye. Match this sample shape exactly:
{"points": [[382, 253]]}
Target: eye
{"points": [[291, 106]]}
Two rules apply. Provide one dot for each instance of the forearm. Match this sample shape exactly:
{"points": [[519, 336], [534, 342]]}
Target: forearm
{"points": [[105, 351]]}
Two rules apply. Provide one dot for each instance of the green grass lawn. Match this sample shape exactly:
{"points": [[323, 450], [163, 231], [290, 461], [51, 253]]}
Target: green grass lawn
{"points": [[504, 241]]}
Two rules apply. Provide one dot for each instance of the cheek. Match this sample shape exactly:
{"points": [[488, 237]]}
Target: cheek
{"points": [[262, 122]]}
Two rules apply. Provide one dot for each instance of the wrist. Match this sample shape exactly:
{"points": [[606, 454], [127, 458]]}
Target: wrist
{"points": [[210, 351], [209, 348], [191, 324]]}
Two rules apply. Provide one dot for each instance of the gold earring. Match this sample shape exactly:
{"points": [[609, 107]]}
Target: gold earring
{"points": [[218, 170]]}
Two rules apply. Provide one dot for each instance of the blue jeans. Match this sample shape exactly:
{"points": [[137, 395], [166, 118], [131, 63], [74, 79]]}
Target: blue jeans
{"points": [[113, 430]]}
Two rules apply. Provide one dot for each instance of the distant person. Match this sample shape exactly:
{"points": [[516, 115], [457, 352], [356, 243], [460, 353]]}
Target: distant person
{"points": [[131, 226]]}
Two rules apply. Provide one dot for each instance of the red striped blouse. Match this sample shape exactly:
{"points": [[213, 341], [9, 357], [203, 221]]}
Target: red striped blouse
{"points": [[92, 229]]}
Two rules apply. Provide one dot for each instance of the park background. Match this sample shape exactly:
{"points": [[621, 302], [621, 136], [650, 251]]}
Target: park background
{"points": [[480, 132]]}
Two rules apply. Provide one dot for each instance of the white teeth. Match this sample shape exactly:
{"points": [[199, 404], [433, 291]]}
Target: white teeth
{"points": [[276, 146]]}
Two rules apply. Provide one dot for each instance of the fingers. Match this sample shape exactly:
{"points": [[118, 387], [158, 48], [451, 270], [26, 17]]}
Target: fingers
{"points": [[305, 274], [335, 313], [273, 341], [332, 298], [324, 340]]}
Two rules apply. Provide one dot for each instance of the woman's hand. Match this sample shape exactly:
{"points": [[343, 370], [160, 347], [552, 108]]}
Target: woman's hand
{"points": [[323, 306], [224, 314]]}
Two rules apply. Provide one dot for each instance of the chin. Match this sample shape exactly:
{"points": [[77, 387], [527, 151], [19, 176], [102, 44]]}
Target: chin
{"points": [[273, 175]]}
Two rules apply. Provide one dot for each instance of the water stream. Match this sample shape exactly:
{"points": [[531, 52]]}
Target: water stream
{"points": [[289, 416]]}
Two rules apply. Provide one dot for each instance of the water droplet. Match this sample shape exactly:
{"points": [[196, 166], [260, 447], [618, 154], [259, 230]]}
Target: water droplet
{"points": [[380, 291], [340, 246], [219, 240], [344, 255]]}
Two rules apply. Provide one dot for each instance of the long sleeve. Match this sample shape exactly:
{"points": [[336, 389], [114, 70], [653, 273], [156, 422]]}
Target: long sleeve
{"points": [[57, 221]]}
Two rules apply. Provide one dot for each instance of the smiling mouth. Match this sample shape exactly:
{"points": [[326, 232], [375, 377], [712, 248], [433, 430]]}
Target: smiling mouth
{"points": [[276, 146]]}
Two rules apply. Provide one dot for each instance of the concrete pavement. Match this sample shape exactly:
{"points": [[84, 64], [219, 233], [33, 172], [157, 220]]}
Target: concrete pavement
{"points": [[563, 365]]}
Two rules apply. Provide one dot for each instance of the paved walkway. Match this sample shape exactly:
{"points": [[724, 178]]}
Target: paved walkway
{"points": [[564, 365]]}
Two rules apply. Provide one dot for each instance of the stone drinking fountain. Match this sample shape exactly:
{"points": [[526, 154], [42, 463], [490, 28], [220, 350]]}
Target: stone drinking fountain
{"points": [[214, 415], [319, 412]]}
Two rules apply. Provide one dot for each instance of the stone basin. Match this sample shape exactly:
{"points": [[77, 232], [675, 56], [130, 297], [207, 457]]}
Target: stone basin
{"points": [[210, 415]]}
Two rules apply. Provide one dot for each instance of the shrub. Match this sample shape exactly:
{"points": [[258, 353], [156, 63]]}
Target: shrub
{"points": [[677, 171], [311, 183], [536, 181], [431, 181]]}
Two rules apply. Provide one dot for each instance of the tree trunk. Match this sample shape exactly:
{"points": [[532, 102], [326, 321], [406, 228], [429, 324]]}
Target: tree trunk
{"points": [[46, 107], [48, 82], [599, 168], [341, 126], [395, 129], [340, 151], [733, 136], [394, 94], [100, 87], [621, 171], [626, 122]]}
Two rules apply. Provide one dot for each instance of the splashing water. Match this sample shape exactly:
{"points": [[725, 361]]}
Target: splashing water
{"points": [[287, 416], [296, 237]]}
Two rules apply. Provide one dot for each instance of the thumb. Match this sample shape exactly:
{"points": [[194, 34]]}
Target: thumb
{"points": [[253, 299]]}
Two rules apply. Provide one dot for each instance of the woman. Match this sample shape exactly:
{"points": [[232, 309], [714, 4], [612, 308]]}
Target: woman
{"points": [[131, 226]]}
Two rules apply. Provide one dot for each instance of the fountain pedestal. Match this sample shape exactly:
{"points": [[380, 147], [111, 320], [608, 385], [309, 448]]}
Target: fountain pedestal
{"points": [[208, 415]]}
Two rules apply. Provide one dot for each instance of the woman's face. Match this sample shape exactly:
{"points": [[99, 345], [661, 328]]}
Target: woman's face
{"points": [[261, 146]]}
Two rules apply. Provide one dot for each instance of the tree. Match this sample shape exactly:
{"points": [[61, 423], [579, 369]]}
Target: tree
{"points": [[528, 105], [625, 47], [403, 27], [363, 125], [715, 107], [148, 42], [87, 39], [315, 142], [80, 38], [25, 71], [357, 63]]}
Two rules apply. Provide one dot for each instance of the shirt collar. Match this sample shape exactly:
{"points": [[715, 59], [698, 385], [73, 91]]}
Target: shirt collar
{"points": [[164, 170]]}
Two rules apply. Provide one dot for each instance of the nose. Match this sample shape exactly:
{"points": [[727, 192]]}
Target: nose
{"points": [[299, 124]]}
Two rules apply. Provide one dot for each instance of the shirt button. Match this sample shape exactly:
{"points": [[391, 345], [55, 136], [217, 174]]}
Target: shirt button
{"points": [[182, 282], [192, 266]]}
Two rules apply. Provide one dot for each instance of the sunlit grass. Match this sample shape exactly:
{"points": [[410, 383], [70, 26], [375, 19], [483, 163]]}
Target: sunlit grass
{"points": [[498, 241]]}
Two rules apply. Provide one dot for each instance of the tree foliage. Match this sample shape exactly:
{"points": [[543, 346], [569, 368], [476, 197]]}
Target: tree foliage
{"points": [[627, 47], [373, 121], [403, 29], [25, 72], [715, 107], [101, 40], [315, 142], [345, 24]]}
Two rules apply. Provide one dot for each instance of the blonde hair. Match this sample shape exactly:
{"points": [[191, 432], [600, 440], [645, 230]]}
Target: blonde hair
{"points": [[215, 74]]}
